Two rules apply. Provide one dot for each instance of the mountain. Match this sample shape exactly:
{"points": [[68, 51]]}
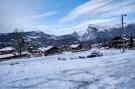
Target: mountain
{"points": [[94, 33], [41, 37], [38, 38]]}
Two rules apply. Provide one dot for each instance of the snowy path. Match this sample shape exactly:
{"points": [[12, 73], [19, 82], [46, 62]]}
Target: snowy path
{"points": [[115, 70]]}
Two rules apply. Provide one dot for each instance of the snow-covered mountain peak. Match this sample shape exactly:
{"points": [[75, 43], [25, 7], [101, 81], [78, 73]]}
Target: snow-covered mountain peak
{"points": [[79, 33], [93, 27]]}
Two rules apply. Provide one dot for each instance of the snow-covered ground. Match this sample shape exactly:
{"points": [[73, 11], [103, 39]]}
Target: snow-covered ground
{"points": [[114, 70]]}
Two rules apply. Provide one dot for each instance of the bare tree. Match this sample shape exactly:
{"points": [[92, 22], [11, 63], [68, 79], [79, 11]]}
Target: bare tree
{"points": [[18, 41]]}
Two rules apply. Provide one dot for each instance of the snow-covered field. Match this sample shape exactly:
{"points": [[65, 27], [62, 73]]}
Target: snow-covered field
{"points": [[114, 70]]}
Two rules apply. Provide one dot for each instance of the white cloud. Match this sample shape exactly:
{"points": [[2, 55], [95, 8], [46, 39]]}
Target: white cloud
{"points": [[15, 14], [101, 8], [47, 14], [63, 29], [20, 14], [84, 25]]}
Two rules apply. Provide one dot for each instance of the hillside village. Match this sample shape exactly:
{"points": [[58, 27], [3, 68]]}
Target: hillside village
{"points": [[21, 44], [38, 44], [28, 51]]}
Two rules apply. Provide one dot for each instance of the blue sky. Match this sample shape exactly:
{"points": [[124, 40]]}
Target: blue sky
{"points": [[61, 17]]}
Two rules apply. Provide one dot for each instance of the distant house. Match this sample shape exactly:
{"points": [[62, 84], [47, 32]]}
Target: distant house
{"points": [[13, 55], [36, 53], [42, 49], [29, 49], [117, 42], [49, 50], [6, 57], [86, 46], [6, 50], [76, 48], [65, 48]]}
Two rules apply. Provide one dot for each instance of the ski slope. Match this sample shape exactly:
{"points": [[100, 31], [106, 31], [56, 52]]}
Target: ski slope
{"points": [[114, 70]]}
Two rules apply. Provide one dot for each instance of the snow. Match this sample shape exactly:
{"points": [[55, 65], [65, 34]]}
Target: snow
{"points": [[7, 49], [81, 33], [54, 37], [125, 38], [33, 37], [114, 70], [12, 55], [74, 46], [25, 52], [45, 48], [6, 55]]}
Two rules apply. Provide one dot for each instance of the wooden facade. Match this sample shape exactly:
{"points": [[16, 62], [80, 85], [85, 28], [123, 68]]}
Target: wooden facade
{"points": [[52, 50], [7, 50], [117, 42], [76, 48]]}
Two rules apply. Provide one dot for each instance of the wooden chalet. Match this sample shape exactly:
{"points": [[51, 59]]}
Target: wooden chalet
{"points": [[86, 46], [6, 50], [76, 48], [117, 42], [51, 50], [64, 48], [14, 55]]}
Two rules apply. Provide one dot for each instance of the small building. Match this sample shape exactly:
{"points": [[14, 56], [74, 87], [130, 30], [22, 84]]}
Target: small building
{"points": [[6, 57], [86, 46], [6, 50], [76, 48], [29, 49], [36, 53], [13, 55], [42, 49], [64, 48], [51, 50], [117, 42]]}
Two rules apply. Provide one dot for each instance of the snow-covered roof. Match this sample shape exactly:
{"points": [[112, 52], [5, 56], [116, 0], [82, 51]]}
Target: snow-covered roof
{"points": [[7, 49], [25, 52], [6, 55], [44, 49], [74, 46], [120, 38], [125, 38], [11, 55]]}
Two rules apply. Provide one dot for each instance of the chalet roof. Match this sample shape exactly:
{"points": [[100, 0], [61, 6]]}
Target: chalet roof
{"points": [[74, 46], [7, 49], [36, 50], [119, 38], [25, 52], [45, 48], [12, 55], [6, 55]]}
